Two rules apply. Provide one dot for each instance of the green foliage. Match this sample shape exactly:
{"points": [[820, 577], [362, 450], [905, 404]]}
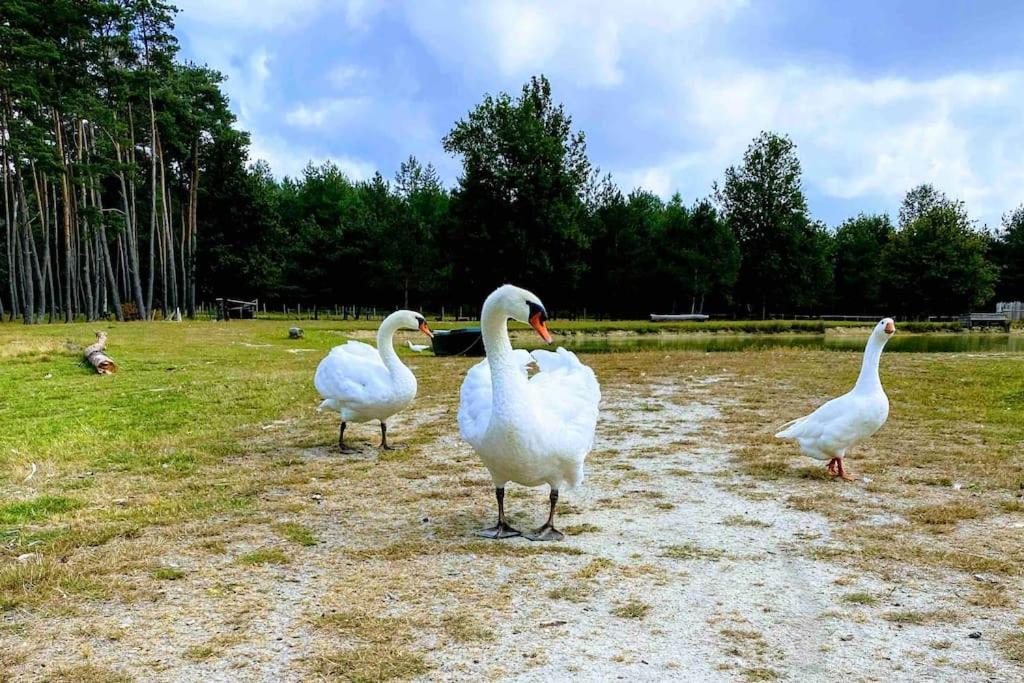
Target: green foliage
{"points": [[859, 270], [519, 207], [1008, 254], [785, 255], [936, 261]]}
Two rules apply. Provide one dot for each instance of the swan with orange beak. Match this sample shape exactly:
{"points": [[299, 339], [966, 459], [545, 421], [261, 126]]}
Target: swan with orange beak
{"points": [[364, 383], [844, 422], [528, 429]]}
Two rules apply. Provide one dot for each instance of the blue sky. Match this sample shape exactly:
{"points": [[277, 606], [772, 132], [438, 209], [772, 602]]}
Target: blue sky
{"points": [[878, 96]]}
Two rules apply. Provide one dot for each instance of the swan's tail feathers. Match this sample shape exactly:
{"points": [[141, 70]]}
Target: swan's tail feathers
{"points": [[327, 404], [790, 429]]}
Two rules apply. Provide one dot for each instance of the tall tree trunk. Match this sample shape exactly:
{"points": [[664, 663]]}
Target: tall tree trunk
{"points": [[153, 145], [69, 313]]}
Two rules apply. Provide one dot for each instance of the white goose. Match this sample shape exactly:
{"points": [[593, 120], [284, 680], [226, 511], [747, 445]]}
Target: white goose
{"points": [[840, 424], [363, 383], [529, 430]]}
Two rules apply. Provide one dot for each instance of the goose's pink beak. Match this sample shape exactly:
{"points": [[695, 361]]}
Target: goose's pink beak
{"points": [[890, 327]]}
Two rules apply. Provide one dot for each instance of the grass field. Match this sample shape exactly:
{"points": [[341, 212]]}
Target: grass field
{"points": [[189, 519]]}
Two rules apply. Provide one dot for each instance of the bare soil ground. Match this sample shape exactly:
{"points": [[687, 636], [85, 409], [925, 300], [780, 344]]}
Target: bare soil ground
{"points": [[697, 549]]}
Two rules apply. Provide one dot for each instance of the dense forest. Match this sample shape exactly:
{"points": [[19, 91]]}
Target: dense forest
{"points": [[128, 192]]}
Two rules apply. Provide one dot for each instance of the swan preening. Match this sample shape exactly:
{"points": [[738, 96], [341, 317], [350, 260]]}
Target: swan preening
{"points": [[531, 430], [364, 383], [417, 347], [835, 427]]}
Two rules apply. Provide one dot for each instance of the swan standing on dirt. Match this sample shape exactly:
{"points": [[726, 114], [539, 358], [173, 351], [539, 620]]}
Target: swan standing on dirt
{"points": [[840, 424], [529, 430], [365, 383]]}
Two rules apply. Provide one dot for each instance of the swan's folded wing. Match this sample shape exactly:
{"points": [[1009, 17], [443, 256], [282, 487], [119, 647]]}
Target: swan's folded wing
{"points": [[475, 398], [568, 394], [352, 374]]}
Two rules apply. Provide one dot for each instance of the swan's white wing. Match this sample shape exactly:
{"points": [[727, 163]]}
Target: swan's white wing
{"points": [[475, 398], [567, 394], [352, 375]]}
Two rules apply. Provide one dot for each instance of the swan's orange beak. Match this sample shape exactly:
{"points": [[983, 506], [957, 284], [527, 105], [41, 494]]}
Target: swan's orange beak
{"points": [[426, 330], [537, 322], [890, 327]]}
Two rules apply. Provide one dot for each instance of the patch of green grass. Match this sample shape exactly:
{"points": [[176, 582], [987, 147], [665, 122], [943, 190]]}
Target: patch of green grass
{"points": [[168, 573], [585, 528], [692, 551], [759, 673], [859, 598], [296, 533], [37, 509], [264, 556], [634, 609]]}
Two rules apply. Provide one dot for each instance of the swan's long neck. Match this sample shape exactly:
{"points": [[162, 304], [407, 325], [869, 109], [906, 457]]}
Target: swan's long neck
{"points": [[386, 344], [497, 345], [869, 380]]}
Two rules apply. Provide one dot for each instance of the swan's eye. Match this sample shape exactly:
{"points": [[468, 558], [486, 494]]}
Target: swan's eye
{"points": [[537, 310]]}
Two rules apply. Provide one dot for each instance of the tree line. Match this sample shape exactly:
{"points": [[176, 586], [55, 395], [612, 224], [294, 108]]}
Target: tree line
{"points": [[105, 139], [128, 193]]}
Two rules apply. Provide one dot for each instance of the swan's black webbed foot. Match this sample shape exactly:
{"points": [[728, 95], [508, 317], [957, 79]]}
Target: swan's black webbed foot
{"points": [[499, 530], [545, 533], [502, 529]]}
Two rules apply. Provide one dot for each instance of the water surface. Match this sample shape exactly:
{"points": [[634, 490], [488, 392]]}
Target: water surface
{"points": [[908, 343]]}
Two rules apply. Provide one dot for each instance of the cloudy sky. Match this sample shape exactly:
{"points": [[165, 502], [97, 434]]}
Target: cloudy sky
{"points": [[878, 96]]}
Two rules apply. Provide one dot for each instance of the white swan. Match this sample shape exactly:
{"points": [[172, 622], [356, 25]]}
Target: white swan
{"points": [[840, 424], [529, 430], [417, 347], [363, 383]]}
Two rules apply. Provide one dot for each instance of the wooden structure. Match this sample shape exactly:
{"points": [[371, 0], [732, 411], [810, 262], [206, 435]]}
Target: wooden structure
{"points": [[97, 357], [972, 320], [239, 310], [688, 317], [1015, 309]]}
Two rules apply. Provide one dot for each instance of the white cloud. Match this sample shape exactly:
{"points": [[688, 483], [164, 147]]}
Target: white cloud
{"points": [[580, 39], [669, 103], [288, 159], [332, 112]]}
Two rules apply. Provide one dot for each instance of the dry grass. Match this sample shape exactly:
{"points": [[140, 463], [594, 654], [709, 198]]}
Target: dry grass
{"points": [[1012, 646], [200, 450], [372, 664], [943, 513]]}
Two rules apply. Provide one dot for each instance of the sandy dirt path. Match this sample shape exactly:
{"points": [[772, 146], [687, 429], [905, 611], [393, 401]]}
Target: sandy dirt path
{"points": [[676, 566]]}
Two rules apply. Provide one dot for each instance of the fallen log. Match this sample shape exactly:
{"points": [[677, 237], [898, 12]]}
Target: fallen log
{"points": [[97, 357]]}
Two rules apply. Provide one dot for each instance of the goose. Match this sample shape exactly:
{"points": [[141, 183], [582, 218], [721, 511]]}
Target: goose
{"points": [[417, 347], [531, 430], [840, 424], [364, 383]]}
